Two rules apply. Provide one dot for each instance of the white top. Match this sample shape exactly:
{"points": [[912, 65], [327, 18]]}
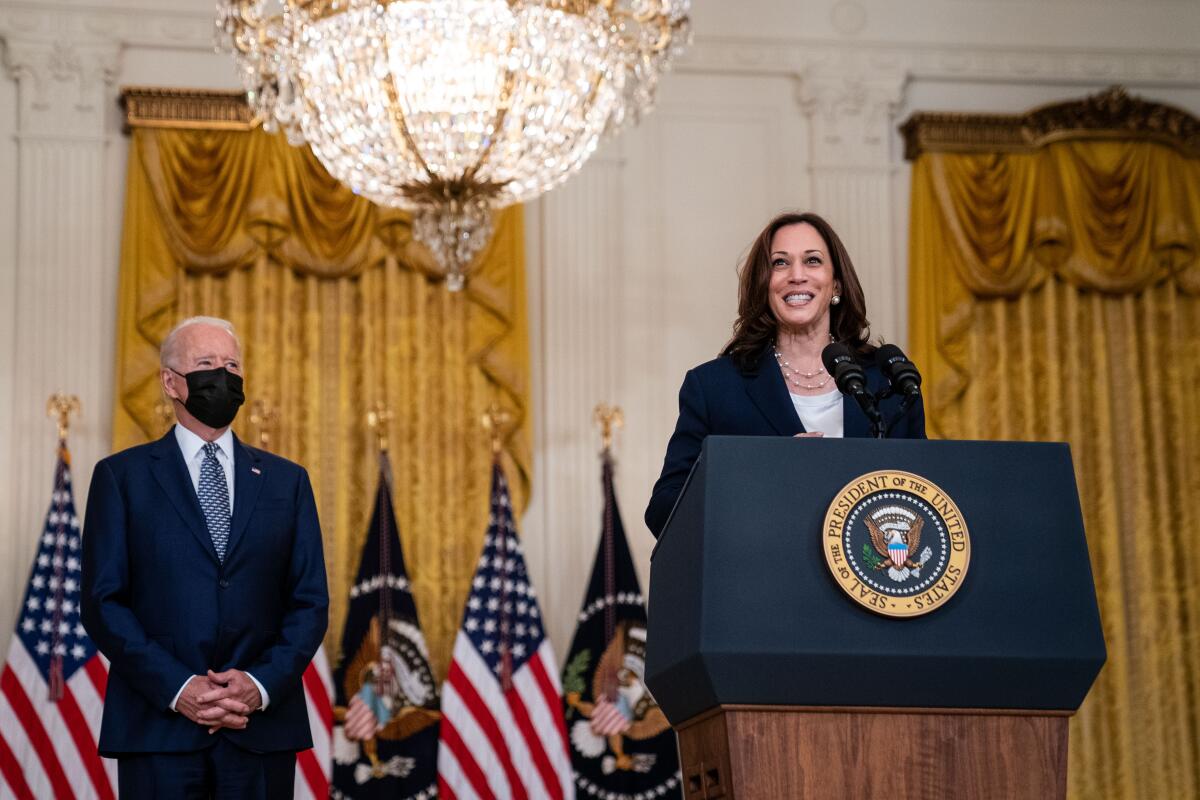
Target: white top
{"points": [[821, 412], [192, 447]]}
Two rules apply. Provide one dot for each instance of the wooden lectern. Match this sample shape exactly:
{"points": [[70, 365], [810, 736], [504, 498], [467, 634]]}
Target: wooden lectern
{"points": [[779, 685]]}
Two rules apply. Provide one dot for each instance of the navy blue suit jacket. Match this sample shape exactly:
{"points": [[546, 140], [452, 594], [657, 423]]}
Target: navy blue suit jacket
{"points": [[161, 607], [721, 399]]}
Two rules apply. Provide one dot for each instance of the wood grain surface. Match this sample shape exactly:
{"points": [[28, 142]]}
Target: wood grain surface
{"points": [[766, 753]]}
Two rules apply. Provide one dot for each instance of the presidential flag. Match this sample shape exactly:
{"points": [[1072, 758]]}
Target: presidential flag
{"points": [[622, 747], [502, 727], [385, 662], [52, 686], [314, 767]]}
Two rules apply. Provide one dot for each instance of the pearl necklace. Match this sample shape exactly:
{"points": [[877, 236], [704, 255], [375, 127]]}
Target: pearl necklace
{"points": [[790, 373]]}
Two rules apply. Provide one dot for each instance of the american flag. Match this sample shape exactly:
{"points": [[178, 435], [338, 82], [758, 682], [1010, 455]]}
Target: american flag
{"points": [[52, 687], [502, 730], [314, 767]]}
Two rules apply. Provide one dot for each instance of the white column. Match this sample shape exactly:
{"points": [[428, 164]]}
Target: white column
{"points": [[575, 278], [851, 119], [60, 312]]}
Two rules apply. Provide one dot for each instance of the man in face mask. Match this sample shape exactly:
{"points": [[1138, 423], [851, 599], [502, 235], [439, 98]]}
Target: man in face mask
{"points": [[204, 585]]}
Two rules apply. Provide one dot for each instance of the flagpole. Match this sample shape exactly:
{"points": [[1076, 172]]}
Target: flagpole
{"points": [[379, 417], [497, 422], [59, 407], [609, 418]]}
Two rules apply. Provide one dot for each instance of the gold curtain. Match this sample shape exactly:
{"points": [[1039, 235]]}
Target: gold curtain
{"points": [[336, 311], [1055, 295]]}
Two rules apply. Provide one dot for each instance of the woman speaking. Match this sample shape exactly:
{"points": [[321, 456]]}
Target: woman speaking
{"points": [[797, 293]]}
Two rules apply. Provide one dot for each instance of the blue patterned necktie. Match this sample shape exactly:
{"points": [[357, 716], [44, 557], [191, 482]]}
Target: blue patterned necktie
{"points": [[214, 499]]}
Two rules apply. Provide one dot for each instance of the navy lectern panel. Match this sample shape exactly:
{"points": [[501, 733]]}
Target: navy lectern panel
{"points": [[743, 609]]}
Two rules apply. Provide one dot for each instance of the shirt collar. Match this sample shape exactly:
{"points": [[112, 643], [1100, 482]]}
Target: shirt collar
{"points": [[190, 444]]}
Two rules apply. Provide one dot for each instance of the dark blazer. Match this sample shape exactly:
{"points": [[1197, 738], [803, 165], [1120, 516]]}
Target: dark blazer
{"points": [[719, 398], [161, 607]]}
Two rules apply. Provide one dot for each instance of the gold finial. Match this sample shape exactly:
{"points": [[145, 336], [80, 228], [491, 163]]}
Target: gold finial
{"points": [[263, 416], [378, 417], [60, 407], [497, 421], [609, 418]]}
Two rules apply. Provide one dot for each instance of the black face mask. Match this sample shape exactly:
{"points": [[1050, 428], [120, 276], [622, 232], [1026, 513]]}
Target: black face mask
{"points": [[214, 395]]}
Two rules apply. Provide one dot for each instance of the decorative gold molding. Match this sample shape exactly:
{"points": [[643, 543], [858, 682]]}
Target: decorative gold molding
{"points": [[1113, 113], [210, 109]]}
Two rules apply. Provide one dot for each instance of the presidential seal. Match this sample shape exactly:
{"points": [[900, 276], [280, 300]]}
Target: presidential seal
{"points": [[896, 543]]}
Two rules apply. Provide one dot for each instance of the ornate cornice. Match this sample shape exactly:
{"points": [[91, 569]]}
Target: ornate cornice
{"points": [[151, 107], [1113, 113]]}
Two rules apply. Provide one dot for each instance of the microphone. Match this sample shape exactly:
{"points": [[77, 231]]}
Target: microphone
{"points": [[901, 373], [851, 380]]}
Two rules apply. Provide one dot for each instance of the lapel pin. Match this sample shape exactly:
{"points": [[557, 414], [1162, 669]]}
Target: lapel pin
{"points": [[256, 470]]}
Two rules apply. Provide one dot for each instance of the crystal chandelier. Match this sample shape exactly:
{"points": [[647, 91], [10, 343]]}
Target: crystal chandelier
{"points": [[451, 108]]}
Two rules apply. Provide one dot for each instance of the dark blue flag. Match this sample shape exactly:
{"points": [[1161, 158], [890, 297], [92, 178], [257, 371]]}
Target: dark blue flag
{"points": [[385, 662], [622, 746]]}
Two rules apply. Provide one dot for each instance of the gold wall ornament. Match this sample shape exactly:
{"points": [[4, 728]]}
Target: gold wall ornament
{"points": [[497, 422], [60, 407], [187, 109], [454, 109], [379, 418], [1113, 113], [896, 543], [610, 419], [263, 416]]}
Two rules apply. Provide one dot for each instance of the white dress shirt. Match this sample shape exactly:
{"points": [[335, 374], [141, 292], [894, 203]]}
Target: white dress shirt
{"points": [[192, 447], [821, 412]]}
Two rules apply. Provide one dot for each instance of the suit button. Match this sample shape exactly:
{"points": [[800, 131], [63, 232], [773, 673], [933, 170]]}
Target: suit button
{"points": [[224, 584]]}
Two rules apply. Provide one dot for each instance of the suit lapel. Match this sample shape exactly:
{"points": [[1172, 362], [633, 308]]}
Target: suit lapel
{"points": [[172, 475], [247, 480], [769, 393]]}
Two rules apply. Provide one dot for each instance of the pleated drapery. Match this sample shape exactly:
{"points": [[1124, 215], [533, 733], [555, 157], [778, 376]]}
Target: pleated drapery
{"points": [[1055, 295], [337, 309]]}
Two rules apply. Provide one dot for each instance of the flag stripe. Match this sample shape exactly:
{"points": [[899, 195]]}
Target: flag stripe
{"points": [[85, 743], [541, 667], [17, 738], [469, 728], [318, 697], [53, 716], [467, 765], [97, 672], [525, 725], [482, 680], [34, 729], [11, 772], [318, 784], [479, 713], [450, 775], [314, 766], [91, 705]]}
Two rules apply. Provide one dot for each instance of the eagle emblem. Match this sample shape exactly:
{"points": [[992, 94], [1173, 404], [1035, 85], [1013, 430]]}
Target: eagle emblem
{"points": [[896, 534], [624, 708]]}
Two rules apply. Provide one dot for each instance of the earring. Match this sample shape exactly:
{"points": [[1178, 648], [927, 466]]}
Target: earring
{"points": [[837, 298]]}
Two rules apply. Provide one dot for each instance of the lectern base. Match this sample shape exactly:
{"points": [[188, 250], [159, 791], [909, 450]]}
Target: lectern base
{"points": [[784, 752]]}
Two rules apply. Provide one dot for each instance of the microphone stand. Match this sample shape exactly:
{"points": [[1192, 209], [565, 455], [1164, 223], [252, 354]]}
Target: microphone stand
{"points": [[905, 406]]}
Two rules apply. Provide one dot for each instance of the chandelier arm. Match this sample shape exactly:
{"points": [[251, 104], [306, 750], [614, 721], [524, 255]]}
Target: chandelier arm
{"points": [[501, 114], [665, 35], [398, 121], [591, 101]]}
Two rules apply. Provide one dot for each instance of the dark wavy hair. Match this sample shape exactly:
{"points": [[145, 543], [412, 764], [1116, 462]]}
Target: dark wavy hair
{"points": [[756, 327]]}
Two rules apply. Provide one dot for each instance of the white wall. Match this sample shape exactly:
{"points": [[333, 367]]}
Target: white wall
{"points": [[778, 104]]}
